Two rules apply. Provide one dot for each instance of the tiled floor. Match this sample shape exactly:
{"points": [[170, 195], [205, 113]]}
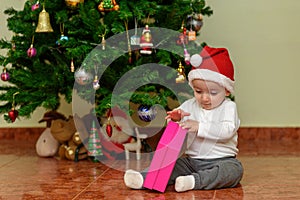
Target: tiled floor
{"points": [[272, 171]]}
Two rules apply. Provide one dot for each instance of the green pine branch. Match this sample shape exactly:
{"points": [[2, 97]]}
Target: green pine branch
{"points": [[43, 79]]}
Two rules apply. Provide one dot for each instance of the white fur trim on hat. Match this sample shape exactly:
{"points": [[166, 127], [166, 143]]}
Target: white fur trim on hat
{"points": [[209, 75]]}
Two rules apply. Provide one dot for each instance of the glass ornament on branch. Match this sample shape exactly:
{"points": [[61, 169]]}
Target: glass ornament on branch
{"points": [[35, 6], [108, 126], [147, 113], [31, 52], [13, 113], [62, 36], [5, 75], [195, 22], [82, 77]]}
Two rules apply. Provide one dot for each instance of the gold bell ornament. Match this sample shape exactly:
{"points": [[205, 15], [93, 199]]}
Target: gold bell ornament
{"points": [[180, 74], [44, 25], [76, 138], [73, 4]]}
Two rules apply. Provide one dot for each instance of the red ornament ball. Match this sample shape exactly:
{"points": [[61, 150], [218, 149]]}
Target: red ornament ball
{"points": [[31, 52], [5, 76]]}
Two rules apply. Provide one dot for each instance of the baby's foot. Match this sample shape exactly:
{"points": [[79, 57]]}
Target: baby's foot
{"points": [[133, 179], [184, 183]]}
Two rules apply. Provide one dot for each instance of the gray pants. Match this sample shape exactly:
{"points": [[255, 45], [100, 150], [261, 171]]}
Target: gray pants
{"points": [[209, 173]]}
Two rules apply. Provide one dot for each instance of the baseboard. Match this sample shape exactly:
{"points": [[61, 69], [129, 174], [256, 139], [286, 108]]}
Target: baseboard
{"points": [[245, 133], [269, 133], [25, 134]]}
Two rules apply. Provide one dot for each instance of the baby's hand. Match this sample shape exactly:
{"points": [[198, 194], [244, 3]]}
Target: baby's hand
{"points": [[176, 115], [191, 125]]}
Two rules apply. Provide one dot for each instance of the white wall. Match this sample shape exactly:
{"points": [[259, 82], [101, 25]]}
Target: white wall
{"points": [[263, 39]]}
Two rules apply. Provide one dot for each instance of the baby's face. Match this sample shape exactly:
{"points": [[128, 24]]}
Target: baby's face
{"points": [[209, 94]]}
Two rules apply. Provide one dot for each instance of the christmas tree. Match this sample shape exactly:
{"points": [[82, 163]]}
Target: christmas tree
{"points": [[99, 50]]}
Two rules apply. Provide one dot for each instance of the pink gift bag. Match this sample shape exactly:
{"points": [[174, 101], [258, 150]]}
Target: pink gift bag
{"points": [[165, 157]]}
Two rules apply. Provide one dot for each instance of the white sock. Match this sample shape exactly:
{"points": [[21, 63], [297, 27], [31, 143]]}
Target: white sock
{"points": [[133, 179], [184, 183]]}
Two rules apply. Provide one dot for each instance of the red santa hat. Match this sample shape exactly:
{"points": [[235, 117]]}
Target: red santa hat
{"points": [[213, 64]]}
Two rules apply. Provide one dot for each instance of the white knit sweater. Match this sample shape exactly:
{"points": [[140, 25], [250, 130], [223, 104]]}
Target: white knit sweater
{"points": [[217, 134]]}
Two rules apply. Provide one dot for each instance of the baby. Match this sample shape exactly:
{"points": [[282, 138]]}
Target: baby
{"points": [[212, 122]]}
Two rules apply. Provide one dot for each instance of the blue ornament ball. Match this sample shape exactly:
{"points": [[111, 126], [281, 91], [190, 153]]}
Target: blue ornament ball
{"points": [[147, 113], [62, 38]]}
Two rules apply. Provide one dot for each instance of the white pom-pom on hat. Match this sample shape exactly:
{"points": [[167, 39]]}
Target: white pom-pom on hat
{"points": [[196, 60]]}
